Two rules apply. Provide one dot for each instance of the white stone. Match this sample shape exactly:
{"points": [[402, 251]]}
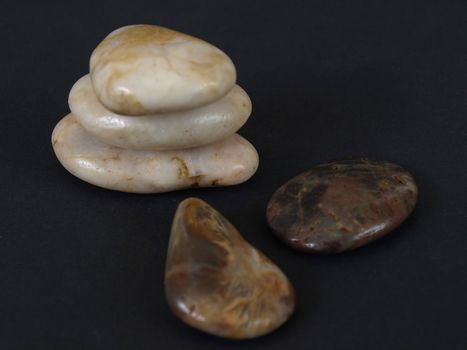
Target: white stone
{"points": [[228, 162], [166, 131], [143, 69]]}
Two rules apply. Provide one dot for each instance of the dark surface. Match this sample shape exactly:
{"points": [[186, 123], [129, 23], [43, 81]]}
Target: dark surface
{"points": [[82, 267]]}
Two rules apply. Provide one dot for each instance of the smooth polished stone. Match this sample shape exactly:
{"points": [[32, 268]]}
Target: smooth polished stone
{"points": [[341, 205], [218, 283], [165, 131], [228, 162], [144, 69]]}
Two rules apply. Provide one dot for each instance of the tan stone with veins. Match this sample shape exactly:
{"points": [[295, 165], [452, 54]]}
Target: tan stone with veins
{"points": [[217, 282]]}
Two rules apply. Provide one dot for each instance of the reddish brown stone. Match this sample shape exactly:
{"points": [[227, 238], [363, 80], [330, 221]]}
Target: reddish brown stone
{"points": [[341, 205], [216, 282]]}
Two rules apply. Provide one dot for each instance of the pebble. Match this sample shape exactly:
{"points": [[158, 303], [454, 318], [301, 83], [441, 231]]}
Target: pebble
{"points": [[342, 205], [227, 162], [165, 131], [146, 69], [217, 282]]}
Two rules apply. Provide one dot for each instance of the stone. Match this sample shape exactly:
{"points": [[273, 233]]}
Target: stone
{"points": [[164, 131], [146, 69], [227, 162], [341, 205], [217, 282]]}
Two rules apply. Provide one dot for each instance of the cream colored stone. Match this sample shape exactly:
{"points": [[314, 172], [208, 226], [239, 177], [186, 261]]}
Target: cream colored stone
{"points": [[143, 69], [166, 131], [228, 162]]}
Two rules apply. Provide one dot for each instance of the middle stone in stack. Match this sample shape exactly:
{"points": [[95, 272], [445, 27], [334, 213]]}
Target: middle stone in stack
{"points": [[158, 112]]}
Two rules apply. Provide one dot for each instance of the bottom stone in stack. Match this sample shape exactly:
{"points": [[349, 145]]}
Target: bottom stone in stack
{"points": [[227, 162]]}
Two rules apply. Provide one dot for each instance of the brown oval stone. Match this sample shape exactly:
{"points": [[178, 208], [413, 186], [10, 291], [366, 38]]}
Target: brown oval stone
{"points": [[341, 205], [218, 283]]}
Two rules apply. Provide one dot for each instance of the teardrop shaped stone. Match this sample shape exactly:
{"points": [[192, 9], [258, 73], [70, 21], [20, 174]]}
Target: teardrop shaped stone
{"points": [[217, 282], [341, 205]]}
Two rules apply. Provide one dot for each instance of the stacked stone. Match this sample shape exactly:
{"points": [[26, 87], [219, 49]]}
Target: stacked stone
{"points": [[158, 112]]}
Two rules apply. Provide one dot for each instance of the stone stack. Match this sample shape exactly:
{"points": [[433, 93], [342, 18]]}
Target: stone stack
{"points": [[158, 112]]}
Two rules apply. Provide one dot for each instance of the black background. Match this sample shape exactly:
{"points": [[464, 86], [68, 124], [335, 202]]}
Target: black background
{"points": [[82, 267]]}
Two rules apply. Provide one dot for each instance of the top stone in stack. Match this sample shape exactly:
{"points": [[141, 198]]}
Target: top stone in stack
{"points": [[158, 112], [143, 69]]}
